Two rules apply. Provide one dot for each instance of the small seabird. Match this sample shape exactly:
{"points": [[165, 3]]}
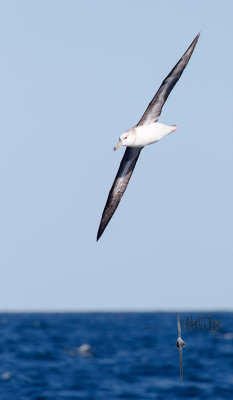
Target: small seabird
{"points": [[85, 350], [179, 344], [147, 131]]}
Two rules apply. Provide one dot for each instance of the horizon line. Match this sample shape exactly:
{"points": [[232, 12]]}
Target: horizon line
{"points": [[114, 311]]}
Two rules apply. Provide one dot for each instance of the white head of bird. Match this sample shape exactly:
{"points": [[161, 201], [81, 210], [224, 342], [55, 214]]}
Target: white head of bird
{"points": [[126, 139]]}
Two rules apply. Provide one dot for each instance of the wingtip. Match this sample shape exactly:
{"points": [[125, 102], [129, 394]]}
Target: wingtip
{"points": [[197, 37], [100, 232]]}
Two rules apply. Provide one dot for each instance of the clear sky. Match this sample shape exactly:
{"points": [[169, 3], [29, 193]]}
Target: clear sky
{"points": [[74, 76]]}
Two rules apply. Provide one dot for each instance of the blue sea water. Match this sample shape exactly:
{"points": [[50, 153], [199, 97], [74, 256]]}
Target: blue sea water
{"points": [[128, 356]]}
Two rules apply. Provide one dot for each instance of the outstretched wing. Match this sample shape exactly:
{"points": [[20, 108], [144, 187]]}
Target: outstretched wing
{"points": [[154, 109], [178, 325], [119, 185], [131, 154], [181, 367]]}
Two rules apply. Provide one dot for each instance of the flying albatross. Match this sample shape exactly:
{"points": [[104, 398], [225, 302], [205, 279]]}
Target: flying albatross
{"points": [[147, 131], [179, 344]]}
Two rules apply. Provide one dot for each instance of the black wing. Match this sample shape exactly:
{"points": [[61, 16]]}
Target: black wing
{"points": [[119, 185], [131, 154], [154, 109], [181, 367]]}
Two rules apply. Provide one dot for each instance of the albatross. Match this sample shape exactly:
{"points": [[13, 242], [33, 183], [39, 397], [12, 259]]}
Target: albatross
{"points": [[179, 344], [147, 131]]}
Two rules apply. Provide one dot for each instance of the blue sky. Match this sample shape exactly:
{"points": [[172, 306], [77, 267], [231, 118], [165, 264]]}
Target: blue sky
{"points": [[74, 76]]}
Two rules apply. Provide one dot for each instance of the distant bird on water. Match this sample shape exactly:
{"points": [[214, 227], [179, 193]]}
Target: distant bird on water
{"points": [[147, 131], [179, 344]]}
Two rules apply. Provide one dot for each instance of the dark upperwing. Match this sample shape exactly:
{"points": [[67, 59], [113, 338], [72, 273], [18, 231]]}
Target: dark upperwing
{"points": [[154, 109], [120, 183], [181, 367], [131, 154]]}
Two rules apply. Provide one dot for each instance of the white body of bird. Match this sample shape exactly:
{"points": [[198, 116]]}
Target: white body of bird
{"points": [[140, 136], [148, 134], [180, 343]]}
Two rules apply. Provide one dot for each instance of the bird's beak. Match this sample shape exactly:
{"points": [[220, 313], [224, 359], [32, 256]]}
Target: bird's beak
{"points": [[119, 144]]}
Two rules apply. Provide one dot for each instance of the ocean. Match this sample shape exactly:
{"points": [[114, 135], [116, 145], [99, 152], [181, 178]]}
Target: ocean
{"points": [[115, 356]]}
